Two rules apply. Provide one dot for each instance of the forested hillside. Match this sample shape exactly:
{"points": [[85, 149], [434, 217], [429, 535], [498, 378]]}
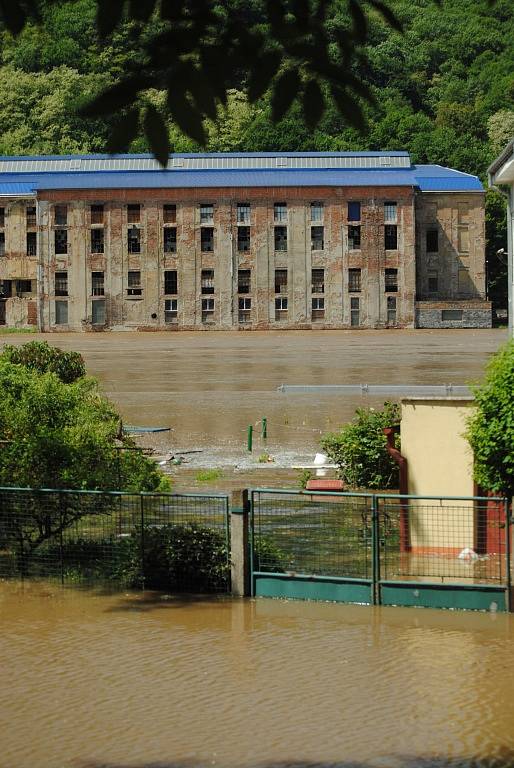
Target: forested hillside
{"points": [[444, 90]]}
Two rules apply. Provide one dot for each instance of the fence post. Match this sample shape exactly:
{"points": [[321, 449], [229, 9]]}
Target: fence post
{"points": [[375, 548], [142, 523], [509, 508], [239, 552], [61, 496]]}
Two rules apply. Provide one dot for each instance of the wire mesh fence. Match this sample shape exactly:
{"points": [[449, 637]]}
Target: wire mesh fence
{"points": [[312, 534], [153, 540]]}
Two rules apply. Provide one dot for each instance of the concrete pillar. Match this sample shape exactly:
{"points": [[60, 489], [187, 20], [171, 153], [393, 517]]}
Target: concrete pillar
{"points": [[239, 552]]}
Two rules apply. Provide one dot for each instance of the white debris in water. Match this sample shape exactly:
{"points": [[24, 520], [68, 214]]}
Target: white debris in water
{"points": [[468, 554]]}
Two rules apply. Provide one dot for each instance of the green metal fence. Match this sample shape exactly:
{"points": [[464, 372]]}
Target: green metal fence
{"points": [[381, 548], [95, 536]]}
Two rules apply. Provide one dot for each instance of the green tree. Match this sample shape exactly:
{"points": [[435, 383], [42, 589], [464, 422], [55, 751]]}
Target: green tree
{"points": [[40, 357], [359, 449], [490, 430]]}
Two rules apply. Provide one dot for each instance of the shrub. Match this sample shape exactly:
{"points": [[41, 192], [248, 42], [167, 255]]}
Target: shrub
{"points": [[209, 475], [40, 357], [268, 556], [359, 449]]}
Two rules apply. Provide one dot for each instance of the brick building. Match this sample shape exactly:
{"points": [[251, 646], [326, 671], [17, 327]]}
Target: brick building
{"points": [[240, 241]]}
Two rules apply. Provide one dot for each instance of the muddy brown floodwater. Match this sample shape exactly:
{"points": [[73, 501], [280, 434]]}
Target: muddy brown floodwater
{"points": [[135, 680]]}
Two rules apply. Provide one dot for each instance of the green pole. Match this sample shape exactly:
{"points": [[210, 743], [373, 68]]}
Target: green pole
{"points": [[264, 428], [250, 438]]}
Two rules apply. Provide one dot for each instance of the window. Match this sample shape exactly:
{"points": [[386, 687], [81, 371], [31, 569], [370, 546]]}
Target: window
{"points": [[354, 211], [2, 243], [97, 240], [280, 307], [134, 213], [5, 288], [61, 241], [317, 234], [465, 284], [61, 312], [170, 239], [281, 238], [244, 310], [97, 214], [318, 280], [97, 284], [318, 308], [354, 280], [206, 214], [354, 237], [243, 213], [433, 281], [391, 237], [207, 310], [391, 281], [316, 211], [207, 281], [244, 281], [243, 239], [354, 311], [390, 213], [169, 214], [61, 284], [207, 239], [432, 241], [31, 216], [281, 281], [31, 243], [23, 286], [391, 310], [170, 281], [134, 240], [2, 217], [98, 312], [134, 283], [463, 240], [170, 310], [61, 215], [451, 314], [280, 212]]}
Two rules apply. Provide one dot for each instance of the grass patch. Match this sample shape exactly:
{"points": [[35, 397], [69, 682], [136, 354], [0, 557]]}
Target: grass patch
{"points": [[209, 475], [4, 329]]}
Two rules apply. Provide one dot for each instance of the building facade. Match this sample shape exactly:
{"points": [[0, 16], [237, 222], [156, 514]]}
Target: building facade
{"points": [[255, 241]]}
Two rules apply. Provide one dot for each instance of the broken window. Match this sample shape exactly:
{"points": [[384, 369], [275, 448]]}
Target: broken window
{"points": [[244, 310], [97, 284], [243, 213], [281, 238], [207, 239], [433, 281], [244, 281], [61, 241], [280, 211], [170, 281], [2, 243], [354, 237], [390, 212], [134, 283], [317, 238], [97, 214], [206, 213], [316, 211], [354, 280], [451, 314], [61, 312], [207, 281], [97, 240], [432, 241], [31, 243], [133, 213], [391, 310], [31, 215], [318, 308], [243, 239], [391, 280], [207, 310], [134, 240], [391, 237], [2, 217], [169, 214], [170, 239], [61, 284], [354, 311], [354, 211], [23, 286], [5, 288], [318, 280], [98, 312], [61, 215], [281, 281], [281, 307], [170, 310]]}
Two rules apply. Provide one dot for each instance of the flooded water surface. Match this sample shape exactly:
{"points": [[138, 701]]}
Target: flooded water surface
{"points": [[144, 679]]}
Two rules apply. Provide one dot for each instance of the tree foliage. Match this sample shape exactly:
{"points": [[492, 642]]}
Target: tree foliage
{"points": [[490, 430], [359, 449], [40, 357]]}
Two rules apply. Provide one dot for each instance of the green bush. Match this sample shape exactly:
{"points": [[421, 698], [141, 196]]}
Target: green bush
{"points": [[268, 556], [40, 357], [359, 449]]}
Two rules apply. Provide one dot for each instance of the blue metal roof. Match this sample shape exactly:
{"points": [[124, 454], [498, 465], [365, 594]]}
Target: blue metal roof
{"points": [[13, 189], [133, 156]]}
